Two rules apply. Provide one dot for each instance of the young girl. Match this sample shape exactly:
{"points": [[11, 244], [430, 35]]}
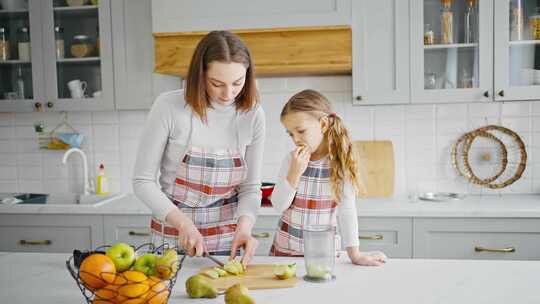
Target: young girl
{"points": [[318, 179]]}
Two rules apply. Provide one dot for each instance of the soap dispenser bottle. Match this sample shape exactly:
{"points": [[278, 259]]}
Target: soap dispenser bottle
{"points": [[102, 183]]}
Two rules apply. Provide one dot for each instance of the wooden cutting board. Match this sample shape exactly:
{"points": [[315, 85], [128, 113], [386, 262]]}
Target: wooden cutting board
{"points": [[258, 276], [376, 167]]}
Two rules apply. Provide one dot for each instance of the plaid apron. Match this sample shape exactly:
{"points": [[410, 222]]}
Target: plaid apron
{"points": [[313, 204], [205, 190]]}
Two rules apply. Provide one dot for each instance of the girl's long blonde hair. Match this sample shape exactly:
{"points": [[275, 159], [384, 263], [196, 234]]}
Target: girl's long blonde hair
{"points": [[340, 149]]}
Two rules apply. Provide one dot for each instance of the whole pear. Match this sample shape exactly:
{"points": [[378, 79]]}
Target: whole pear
{"points": [[238, 294], [198, 286]]}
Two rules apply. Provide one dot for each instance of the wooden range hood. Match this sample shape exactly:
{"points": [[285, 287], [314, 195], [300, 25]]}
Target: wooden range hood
{"points": [[276, 52]]}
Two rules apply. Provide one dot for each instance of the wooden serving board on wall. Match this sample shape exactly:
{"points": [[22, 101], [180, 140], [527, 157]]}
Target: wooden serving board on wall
{"points": [[259, 276], [277, 51], [376, 167]]}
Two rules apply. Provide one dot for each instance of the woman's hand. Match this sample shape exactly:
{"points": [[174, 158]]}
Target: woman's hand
{"points": [[373, 258], [191, 240], [299, 162], [243, 239]]}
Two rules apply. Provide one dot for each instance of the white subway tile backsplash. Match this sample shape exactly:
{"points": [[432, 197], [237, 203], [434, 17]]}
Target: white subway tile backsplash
{"points": [[422, 135], [514, 108], [451, 111]]}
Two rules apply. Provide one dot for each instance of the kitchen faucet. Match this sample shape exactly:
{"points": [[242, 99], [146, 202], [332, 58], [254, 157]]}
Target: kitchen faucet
{"points": [[87, 186]]}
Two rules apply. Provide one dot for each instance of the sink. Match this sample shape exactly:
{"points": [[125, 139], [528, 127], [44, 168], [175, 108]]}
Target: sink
{"points": [[60, 198]]}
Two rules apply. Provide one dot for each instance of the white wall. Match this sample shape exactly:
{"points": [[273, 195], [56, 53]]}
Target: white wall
{"points": [[422, 137]]}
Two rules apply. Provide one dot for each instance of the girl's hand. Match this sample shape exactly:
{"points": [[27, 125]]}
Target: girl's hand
{"points": [[298, 164], [373, 258], [191, 240], [243, 239]]}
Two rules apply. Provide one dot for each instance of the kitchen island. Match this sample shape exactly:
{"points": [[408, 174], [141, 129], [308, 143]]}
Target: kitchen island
{"points": [[43, 278]]}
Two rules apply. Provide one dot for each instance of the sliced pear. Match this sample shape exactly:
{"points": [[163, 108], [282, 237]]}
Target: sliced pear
{"points": [[285, 271], [212, 273], [319, 272], [221, 272], [234, 267]]}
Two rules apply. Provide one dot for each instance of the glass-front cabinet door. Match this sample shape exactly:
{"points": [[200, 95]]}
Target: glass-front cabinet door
{"points": [[77, 46], [452, 53], [517, 49], [20, 55]]}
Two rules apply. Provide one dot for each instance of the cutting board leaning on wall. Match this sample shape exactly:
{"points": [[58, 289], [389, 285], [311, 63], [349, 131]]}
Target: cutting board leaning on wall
{"points": [[375, 167]]}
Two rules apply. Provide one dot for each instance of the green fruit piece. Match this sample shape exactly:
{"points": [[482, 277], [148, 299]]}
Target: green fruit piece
{"points": [[234, 267], [198, 286], [167, 264], [146, 264], [122, 255], [221, 272], [319, 272], [284, 271], [212, 274], [238, 294]]}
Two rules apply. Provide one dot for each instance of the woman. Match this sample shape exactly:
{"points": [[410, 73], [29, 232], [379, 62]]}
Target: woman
{"points": [[207, 142]]}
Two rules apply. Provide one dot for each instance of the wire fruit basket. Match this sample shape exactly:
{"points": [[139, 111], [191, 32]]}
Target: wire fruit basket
{"points": [[130, 286]]}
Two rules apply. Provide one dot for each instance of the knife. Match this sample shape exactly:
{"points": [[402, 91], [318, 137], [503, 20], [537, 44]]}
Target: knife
{"points": [[213, 259]]}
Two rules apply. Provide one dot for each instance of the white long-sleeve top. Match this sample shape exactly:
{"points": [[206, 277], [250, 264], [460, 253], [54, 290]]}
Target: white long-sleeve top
{"points": [[165, 139], [283, 196]]}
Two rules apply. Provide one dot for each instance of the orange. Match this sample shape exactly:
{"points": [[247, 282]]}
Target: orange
{"points": [[108, 292], [157, 298], [133, 276], [133, 290], [134, 301], [98, 301], [97, 270]]}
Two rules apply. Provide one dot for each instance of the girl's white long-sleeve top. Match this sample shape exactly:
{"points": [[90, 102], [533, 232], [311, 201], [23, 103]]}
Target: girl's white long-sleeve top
{"points": [[283, 196], [165, 138]]}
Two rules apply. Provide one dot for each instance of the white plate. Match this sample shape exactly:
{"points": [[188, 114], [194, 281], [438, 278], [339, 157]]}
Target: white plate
{"points": [[440, 196]]}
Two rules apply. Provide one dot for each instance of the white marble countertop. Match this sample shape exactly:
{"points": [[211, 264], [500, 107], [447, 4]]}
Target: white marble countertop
{"points": [[43, 278], [515, 206]]}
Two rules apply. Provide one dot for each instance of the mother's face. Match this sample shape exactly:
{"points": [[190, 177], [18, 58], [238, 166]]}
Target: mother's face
{"points": [[225, 80]]}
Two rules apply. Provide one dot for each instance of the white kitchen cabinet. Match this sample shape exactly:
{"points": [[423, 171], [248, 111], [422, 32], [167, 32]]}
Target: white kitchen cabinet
{"points": [[133, 54], [452, 67], [477, 238], [208, 15], [131, 229], [50, 233], [517, 53], [67, 43], [264, 231], [380, 52], [393, 236]]}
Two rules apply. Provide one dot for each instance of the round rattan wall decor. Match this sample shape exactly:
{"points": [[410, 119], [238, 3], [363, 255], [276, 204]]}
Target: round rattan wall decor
{"points": [[492, 156]]}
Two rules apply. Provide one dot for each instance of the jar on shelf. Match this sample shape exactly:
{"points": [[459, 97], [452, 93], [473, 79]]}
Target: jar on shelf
{"points": [[534, 25], [429, 35], [81, 46], [447, 22], [23, 44], [4, 44], [59, 42]]}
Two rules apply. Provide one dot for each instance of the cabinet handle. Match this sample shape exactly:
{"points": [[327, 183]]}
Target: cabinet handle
{"points": [[38, 106], [44, 242], [501, 93], [135, 233], [262, 235], [50, 104], [502, 250], [371, 237], [359, 98], [486, 94]]}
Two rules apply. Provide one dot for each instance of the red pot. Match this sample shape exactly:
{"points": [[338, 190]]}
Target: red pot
{"points": [[266, 190]]}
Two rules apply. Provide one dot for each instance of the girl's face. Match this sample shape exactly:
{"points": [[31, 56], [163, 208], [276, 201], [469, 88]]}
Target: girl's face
{"points": [[224, 81], [305, 129]]}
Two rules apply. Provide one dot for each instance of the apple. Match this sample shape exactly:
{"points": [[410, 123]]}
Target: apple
{"points": [[146, 264], [167, 264], [122, 255]]}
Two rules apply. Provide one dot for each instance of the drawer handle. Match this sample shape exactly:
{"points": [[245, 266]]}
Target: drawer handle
{"points": [[135, 233], [262, 235], [371, 237], [503, 250], [44, 242]]}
